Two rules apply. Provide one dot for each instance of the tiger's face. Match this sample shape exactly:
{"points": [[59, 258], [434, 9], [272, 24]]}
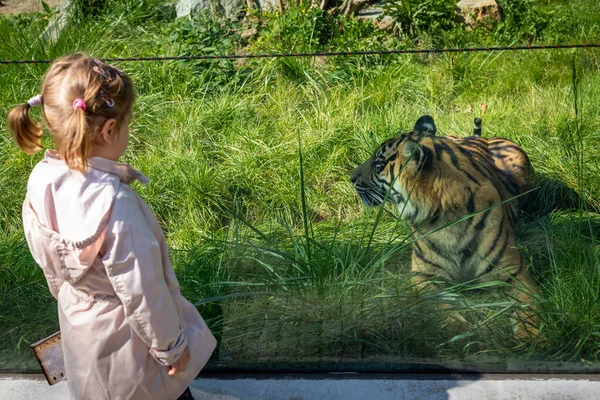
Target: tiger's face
{"points": [[377, 176], [395, 163]]}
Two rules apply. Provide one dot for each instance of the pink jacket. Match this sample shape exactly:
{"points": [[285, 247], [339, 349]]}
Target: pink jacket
{"points": [[122, 317]]}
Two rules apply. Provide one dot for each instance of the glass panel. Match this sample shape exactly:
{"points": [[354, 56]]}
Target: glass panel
{"points": [[250, 164]]}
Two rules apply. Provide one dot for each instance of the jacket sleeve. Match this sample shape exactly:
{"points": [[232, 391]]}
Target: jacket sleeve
{"points": [[132, 258]]}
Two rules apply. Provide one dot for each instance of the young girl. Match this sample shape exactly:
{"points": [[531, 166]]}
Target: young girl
{"points": [[127, 332]]}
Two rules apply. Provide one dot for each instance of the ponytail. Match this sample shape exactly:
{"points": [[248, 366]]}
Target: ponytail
{"points": [[76, 142], [26, 133]]}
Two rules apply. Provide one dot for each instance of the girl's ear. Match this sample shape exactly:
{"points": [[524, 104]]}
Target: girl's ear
{"points": [[108, 131]]}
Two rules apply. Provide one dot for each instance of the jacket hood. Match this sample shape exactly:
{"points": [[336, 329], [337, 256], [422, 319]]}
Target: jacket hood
{"points": [[66, 212]]}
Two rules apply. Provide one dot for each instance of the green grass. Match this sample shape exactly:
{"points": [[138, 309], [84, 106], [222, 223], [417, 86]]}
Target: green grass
{"points": [[289, 272]]}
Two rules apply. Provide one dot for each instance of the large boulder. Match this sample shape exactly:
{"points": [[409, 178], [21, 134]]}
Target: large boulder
{"points": [[374, 14], [229, 8], [58, 22], [474, 12]]}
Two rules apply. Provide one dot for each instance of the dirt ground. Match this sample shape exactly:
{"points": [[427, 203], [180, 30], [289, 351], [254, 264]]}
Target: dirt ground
{"points": [[24, 6]]}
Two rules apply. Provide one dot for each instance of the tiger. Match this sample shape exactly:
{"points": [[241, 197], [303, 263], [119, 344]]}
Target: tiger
{"points": [[461, 197]]}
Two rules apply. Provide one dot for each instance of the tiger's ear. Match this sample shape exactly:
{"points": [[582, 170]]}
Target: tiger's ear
{"points": [[425, 124], [419, 157]]}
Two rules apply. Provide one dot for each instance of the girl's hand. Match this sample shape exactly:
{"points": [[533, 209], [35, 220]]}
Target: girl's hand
{"points": [[180, 364]]}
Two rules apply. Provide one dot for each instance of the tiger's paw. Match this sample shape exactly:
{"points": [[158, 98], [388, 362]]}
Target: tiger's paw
{"points": [[456, 322], [526, 327]]}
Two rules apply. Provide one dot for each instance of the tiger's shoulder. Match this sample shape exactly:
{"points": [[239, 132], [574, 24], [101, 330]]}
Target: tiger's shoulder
{"points": [[499, 159]]}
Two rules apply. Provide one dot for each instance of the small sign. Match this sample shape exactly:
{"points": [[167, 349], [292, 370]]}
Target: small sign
{"points": [[49, 353]]}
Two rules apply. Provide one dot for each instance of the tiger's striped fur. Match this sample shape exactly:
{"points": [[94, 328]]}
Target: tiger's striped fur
{"points": [[435, 181]]}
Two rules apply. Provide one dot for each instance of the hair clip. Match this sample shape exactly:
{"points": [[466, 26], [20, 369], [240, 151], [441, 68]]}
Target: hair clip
{"points": [[103, 69], [100, 71], [110, 102]]}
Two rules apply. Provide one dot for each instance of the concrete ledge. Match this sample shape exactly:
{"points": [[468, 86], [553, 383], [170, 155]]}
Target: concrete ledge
{"points": [[350, 387]]}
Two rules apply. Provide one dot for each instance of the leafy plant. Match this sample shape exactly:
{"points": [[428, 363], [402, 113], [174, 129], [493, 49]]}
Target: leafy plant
{"points": [[298, 29], [523, 19], [201, 34], [417, 16]]}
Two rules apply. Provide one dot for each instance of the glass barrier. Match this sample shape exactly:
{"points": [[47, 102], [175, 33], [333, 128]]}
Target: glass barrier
{"points": [[465, 264]]}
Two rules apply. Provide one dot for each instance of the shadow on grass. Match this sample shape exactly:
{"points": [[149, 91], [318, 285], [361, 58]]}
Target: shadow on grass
{"points": [[552, 195]]}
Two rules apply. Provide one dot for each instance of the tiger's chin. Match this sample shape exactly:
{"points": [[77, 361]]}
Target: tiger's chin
{"points": [[370, 198], [406, 209]]}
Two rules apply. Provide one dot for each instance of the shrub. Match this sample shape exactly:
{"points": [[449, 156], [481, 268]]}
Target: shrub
{"points": [[418, 16]]}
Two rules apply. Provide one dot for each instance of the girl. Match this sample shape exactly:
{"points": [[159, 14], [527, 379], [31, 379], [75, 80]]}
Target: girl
{"points": [[127, 332]]}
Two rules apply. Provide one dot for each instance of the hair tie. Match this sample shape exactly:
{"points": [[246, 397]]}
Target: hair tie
{"points": [[79, 103], [35, 101]]}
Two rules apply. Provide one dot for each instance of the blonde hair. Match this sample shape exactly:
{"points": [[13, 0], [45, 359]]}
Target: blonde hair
{"points": [[107, 93]]}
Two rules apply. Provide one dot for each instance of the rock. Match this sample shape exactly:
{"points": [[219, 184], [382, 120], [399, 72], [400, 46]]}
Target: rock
{"points": [[58, 22], [473, 12], [386, 23], [186, 7], [229, 8], [249, 34], [374, 13]]}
